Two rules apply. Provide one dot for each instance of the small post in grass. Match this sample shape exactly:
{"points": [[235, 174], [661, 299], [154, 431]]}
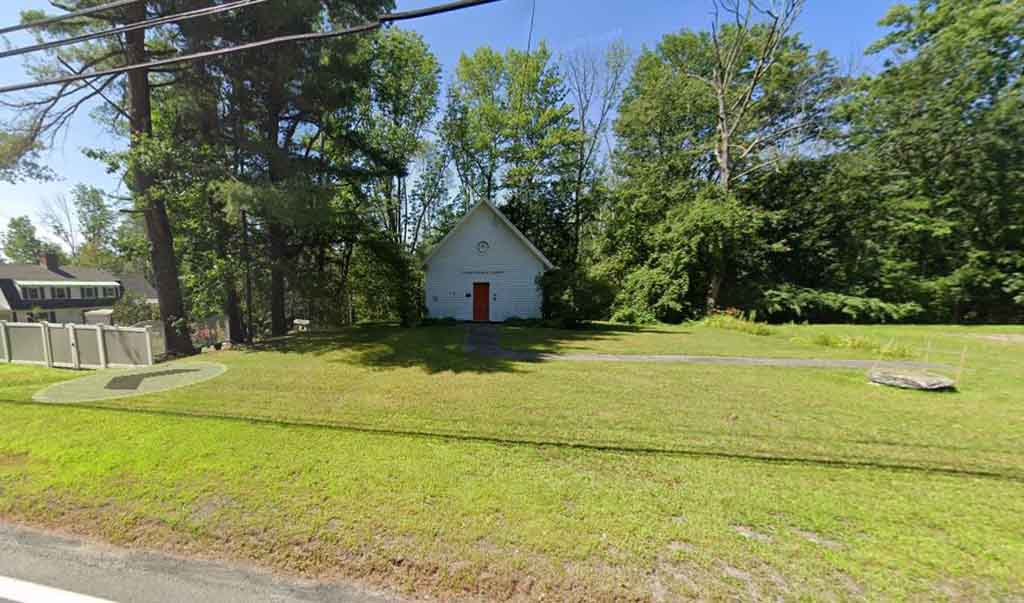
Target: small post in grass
{"points": [[960, 371]]}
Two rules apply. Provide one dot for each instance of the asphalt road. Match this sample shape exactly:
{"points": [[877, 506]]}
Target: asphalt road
{"points": [[107, 573]]}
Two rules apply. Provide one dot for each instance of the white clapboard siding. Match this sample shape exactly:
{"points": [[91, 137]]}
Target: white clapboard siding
{"points": [[509, 264]]}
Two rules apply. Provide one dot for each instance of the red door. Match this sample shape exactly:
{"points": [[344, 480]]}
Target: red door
{"points": [[482, 302]]}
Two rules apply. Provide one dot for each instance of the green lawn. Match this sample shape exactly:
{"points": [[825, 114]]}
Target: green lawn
{"points": [[389, 456]]}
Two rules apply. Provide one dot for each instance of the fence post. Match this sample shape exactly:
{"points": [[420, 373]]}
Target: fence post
{"points": [[5, 342], [76, 361], [149, 347], [102, 345], [44, 328], [960, 371]]}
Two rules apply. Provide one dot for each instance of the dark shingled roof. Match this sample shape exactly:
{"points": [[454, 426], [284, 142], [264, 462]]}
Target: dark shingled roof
{"points": [[9, 273], [137, 283], [37, 272]]}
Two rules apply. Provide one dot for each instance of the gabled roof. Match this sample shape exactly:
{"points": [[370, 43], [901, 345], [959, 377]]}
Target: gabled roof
{"points": [[533, 249], [137, 283], [37, 272]]}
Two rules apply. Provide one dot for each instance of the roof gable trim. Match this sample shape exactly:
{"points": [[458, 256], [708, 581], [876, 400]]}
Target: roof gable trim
{"points": [[504, 220]]}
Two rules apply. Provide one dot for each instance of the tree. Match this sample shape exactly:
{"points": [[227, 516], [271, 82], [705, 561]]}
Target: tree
{"points": [[85, 223], [768, 92], [39, 120], [941, 129], [512, 138], [58, 215], [277, 105], [595, 84], [392, 115], [98, 224], [713, 109], [21, 244]]}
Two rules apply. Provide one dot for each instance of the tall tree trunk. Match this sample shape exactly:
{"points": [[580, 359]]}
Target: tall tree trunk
{"points": [[718, 252], [276, 232], [158, 226], [278, 273], [346, 269]]}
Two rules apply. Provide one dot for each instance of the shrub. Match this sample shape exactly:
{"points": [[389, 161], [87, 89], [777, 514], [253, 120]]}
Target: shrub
{"points": [[571, 297], [438, 322], [797, 303], [518, 321], [735, 320], [132, 308], [890, 350]]}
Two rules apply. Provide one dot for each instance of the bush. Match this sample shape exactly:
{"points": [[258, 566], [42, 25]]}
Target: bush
{"points": [[518, 321], [891, 350], [132, 309], [795, 303], [572, 298], [438, 322], [735, 320]]}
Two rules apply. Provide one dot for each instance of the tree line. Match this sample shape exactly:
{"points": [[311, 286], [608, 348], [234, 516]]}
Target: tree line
{"points": [[733, 167]]}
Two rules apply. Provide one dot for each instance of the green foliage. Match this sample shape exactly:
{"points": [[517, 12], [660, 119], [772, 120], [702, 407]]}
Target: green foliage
{"points": [[890, 350], [132, 309], [511, 135], [664, 273], [795, 303], [438, 322], [19, 156], [571, 297], [20, 244], [942, 127], [737, 321]]}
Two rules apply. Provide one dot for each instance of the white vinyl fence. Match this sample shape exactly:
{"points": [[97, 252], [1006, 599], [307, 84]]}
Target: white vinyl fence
{"points": [[75, 346]]}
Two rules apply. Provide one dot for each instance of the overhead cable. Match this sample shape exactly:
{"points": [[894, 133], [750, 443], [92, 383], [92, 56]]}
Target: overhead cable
{"points": [[178, 17], [85, 12], [306, 37]]}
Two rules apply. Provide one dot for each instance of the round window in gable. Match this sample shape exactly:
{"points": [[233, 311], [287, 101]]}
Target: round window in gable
{"points": [[483, 247]]}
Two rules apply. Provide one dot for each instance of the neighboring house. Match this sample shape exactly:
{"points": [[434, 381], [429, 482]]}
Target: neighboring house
{"points": [[53, 293], [485, 270], [137, 284]]}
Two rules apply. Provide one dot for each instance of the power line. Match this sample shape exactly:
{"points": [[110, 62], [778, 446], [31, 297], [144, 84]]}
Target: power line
{"points": [[185, 16], [85, 12], [369, 26]]}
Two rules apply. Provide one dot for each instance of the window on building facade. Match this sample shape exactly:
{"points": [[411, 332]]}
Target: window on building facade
{"points": [[88, 292], [60, 292], [109, 292]]}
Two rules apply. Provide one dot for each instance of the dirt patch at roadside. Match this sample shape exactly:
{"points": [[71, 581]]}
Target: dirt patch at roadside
{"points": [[436, 570]]}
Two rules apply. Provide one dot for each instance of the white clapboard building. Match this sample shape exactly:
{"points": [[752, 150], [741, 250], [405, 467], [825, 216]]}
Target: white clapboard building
{"points": [[485, 270]]}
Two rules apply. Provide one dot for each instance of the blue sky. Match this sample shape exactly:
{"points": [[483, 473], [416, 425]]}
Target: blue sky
{"points": [[844, 27]]}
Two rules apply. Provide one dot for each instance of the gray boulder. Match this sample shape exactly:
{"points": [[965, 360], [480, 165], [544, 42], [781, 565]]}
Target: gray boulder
{"points": [[921, 381]]}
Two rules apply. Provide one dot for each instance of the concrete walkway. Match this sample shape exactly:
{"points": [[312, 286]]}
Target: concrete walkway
{"points": [[485, 340], [111, 384]]}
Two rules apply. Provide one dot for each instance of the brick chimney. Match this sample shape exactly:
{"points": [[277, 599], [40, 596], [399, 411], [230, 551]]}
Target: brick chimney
{"points": [[50, 261]]}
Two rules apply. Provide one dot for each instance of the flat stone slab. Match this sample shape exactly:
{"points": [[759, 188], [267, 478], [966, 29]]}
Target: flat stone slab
{"points": [[112, 384], [921, 381]]}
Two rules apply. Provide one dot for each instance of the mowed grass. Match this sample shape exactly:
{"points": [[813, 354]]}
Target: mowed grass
{"points": [[390, 456]]}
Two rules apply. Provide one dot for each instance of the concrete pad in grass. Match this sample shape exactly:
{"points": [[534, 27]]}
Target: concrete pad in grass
{"points": [[111, 384]]}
